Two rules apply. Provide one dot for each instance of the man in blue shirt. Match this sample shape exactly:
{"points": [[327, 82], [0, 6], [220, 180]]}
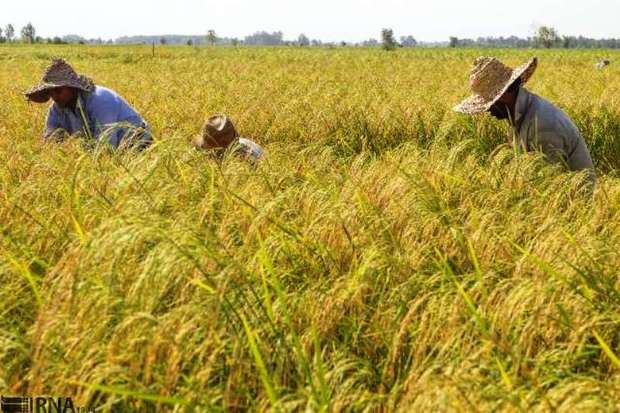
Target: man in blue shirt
{"points": [[81, 107]]}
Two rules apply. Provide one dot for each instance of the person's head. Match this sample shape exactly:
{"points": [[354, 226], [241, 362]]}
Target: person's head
{"points": [[504, 107], [218, 132], [61, 83], [64, 96], [495, 87]]}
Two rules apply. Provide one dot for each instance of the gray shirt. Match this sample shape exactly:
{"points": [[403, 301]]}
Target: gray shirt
{"points": [[250, 148], [243, 147], [541, 125]]}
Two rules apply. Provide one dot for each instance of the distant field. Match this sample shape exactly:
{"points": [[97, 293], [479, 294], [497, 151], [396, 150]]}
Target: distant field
{"points": [[385, 256]]}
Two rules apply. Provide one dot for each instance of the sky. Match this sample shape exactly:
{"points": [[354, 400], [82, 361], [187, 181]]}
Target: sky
{"points": [[328, 20]]}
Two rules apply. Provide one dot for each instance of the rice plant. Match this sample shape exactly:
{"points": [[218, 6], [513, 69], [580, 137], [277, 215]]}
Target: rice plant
{"points": [[385, 256]]}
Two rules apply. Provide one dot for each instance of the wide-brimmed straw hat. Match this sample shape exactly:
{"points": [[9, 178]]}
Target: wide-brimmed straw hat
{"points": [[58, 73], [489, 79], [218, 128]]}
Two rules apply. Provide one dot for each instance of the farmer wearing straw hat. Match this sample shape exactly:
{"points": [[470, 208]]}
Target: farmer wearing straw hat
{"points": [[220, 136], [81, 107], [537, 123]]}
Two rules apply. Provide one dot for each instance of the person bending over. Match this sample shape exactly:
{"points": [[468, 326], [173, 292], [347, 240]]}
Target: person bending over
{"points": [[537, 123], [82, 108], [220, 136]]}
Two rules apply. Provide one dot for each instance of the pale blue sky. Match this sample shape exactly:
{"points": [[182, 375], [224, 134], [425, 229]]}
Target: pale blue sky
{"points": [[329, 20]]}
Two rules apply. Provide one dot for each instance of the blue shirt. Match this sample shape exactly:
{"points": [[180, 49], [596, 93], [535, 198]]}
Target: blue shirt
{"points": [[107, 116]]}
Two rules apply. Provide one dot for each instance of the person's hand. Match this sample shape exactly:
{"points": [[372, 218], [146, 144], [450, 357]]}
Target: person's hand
{"points": [[56, 136]]}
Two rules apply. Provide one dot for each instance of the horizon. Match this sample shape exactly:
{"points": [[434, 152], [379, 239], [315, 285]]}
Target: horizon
{"points": [[428, 23]]}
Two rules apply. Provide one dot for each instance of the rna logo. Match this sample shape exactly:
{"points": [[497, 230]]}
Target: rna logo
{"points": [[17, 404]]}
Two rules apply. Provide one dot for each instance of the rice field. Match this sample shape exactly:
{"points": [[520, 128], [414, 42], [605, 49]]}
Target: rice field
{"points": [[387, 255]]}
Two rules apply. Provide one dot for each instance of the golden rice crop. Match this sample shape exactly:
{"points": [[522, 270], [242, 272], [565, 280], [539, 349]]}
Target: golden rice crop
{"points": [[383, 257]]}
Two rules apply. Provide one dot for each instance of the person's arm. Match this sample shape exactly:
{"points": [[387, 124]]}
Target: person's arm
{"points": [[579, 158], [54, 128], [553, 145], [566, 140], [136, 132], [104, 115], [563, 143], [567, 148], [114, 119]]}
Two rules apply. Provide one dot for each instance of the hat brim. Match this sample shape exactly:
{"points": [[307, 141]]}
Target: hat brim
{"points": [[479, 104], [41, 92], [198, 142]]}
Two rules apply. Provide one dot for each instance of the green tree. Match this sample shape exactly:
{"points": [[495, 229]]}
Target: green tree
{"points": [[303, 40], [28, 33], [547, 37], [9, 32], [454, 41], [211, 37], [387, 39], [408, 41], [566, 42]]}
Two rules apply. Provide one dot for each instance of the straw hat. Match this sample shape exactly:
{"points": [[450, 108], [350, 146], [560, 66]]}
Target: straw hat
{"points": [[489, 80], [58, 73], [217, 129]]}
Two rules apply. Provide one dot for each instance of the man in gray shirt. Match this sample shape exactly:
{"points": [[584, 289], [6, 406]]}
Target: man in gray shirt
{"points": [[538, 124], [220, 136]]}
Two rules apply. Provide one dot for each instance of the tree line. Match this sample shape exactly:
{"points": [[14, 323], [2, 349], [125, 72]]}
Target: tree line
{"points": [[264, 38], [545, 37], [28, 34]]}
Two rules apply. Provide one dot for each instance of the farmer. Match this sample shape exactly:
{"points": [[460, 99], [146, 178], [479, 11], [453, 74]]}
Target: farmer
{"points": [[220, 136], [602, 64], [80, 107], [537, 123]]}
